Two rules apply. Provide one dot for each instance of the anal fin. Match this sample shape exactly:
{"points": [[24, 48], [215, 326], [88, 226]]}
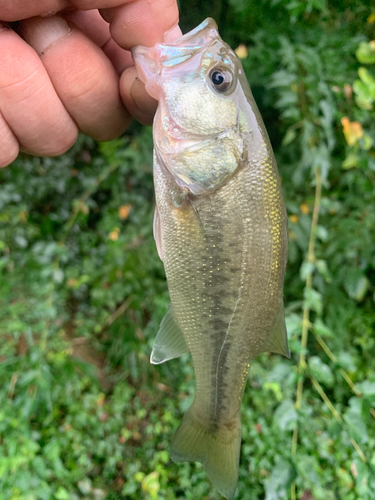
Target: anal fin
{"points": [[169, 342]]}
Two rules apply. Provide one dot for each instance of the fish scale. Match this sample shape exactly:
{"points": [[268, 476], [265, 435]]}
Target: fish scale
{"points": [[221, 231]]}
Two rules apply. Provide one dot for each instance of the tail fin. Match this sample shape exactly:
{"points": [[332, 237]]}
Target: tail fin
{"points": [[217, 449]]}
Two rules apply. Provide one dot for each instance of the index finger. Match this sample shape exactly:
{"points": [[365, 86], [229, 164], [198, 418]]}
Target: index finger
{"points": [[142, 22], [16, 10]]}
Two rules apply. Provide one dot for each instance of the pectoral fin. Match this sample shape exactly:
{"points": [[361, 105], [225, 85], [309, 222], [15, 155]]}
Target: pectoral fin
{"points": [[157, 233], [278, 341], [169, 342]]}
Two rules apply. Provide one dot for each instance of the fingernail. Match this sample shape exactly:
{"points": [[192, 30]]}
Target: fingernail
{"points": [[172, 35], [41, 34]]}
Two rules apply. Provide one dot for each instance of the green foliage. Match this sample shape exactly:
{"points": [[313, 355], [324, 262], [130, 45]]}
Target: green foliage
{"points": [[82, 290]]}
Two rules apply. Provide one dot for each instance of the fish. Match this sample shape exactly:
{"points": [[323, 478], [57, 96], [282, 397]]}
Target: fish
{"points": [[220, 228]]}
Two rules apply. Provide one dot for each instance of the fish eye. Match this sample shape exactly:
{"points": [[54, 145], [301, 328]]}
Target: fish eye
{"points": [[221, 79]]}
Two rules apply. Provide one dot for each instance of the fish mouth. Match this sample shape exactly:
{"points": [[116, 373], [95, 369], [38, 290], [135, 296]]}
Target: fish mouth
{"points": [[150, 61], [200, 36]]}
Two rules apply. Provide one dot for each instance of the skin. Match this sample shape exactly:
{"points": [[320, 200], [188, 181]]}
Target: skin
{"points": [[65, 67]]}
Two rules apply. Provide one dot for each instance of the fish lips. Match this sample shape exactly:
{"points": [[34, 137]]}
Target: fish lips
{"points": [[151, 61]]}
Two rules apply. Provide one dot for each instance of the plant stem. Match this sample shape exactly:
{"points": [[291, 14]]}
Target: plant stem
{"points": [[342, 372], [358, 450], [306, 311], [120, 310], [325, 398], [336, 415], [333, 358]]}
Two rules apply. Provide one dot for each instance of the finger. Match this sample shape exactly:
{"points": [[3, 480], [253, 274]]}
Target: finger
{"points": [[120, 58], [16, 10], [141, 22], [96, 4], [9, 146], [135, 97], [28, 101], [82, 75], [93, 25]]}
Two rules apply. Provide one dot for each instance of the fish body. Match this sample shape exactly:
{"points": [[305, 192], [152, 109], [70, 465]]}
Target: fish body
{"points": [[221, 230]]}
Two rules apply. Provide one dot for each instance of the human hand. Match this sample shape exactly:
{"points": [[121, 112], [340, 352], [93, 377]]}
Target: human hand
{"points": [[61, 73]]}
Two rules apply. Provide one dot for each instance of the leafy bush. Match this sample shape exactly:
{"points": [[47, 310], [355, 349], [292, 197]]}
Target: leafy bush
{"points": [[82, 291]]}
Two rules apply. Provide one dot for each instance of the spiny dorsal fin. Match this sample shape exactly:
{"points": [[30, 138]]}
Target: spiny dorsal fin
{"points": [[169, 342]]}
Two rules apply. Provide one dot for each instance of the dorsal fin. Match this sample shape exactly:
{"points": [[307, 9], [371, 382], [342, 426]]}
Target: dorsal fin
{"points": [[278, 340]]}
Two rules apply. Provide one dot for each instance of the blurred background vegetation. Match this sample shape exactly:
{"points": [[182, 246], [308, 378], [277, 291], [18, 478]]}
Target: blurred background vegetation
{"points": [[82, 412]]}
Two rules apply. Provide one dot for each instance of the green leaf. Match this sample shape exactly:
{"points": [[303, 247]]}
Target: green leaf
{"points": [[366, 53], [293, 324], [352, 161], [363, 475], [356, 284], [321, 329], [364, 89], [85, 486], [289, 137], [368, 390], [354, 418], [285, 415], [356, 425], [367, 142], [322, 233], [275, 388], [313, 300], [277, 484], [321, 371], [307, 268], [279, 373], [151, 484], [322, 267], [319, 4], [367, 79], [346, 361], [62, 494], [363, 92], [307, 466]]}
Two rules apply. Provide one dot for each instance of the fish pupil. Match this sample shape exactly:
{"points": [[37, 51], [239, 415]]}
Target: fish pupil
{"points": [[217, 78], [221, 79]]}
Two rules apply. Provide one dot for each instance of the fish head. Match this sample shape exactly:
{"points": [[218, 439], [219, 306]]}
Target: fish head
{"points": [[202, 124]]}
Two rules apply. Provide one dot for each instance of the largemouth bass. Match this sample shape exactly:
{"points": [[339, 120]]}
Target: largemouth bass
{"points": [[221, 230]]}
